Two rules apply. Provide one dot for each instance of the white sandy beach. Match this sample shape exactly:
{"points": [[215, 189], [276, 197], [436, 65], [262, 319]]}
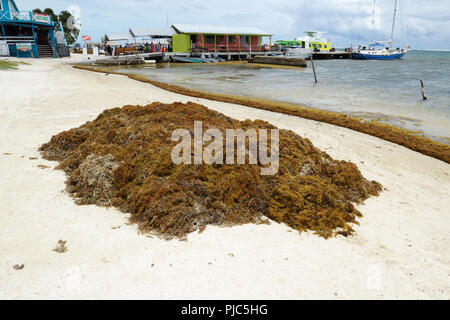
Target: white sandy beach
{"points": [[401, 250]]}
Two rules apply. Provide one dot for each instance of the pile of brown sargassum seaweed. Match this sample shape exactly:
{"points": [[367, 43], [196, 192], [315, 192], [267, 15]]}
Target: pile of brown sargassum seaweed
{"points": [[123, 159]]}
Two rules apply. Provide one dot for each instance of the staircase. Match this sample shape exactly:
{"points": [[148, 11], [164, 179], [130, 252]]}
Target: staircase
{"points": [[45, 51]]}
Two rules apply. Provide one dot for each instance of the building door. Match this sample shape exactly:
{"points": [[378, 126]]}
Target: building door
{"points": [[43, 37], [194, 40]]}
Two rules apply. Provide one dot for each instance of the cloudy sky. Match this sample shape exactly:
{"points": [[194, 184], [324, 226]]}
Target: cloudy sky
{"points": [[423, 24]]}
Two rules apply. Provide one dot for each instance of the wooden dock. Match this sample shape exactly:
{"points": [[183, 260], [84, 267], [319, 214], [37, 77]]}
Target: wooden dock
{"points": [[226, 55], [332, 55], [229, 56], [249, 55]]}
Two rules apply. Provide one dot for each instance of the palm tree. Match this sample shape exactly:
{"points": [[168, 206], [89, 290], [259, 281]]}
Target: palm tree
{"points": [[69, 24]]}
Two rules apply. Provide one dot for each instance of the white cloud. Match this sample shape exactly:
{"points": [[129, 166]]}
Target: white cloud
{"points": [[426, 24]]}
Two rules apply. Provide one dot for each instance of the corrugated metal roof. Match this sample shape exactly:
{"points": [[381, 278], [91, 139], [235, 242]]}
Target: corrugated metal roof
{"points": [[114, 43], [153, 32], [118, 36], [191, 28]]}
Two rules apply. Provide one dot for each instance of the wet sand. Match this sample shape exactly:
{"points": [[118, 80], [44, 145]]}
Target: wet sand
{"points": [[400, 250]]}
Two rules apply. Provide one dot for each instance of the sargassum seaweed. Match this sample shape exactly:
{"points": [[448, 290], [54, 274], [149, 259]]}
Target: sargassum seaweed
{"points": [[123, 159]]}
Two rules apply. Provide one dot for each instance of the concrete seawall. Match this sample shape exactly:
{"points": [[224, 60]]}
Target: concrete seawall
{"points": [[283, 61]]}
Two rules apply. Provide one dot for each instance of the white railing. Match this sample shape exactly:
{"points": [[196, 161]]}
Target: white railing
{"points": [[24, 16], [4, 15], [17, 15], [13, 39]]}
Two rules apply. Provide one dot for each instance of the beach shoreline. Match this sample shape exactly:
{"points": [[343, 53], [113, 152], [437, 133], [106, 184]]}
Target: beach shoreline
{"points": [[387, 132], [400, 250]]}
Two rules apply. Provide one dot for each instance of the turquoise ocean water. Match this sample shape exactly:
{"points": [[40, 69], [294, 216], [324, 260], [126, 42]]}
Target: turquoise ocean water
{"points": [[385, 90]]}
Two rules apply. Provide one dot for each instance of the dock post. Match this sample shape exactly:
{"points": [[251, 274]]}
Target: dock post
{"points": [[227, 42], [313, 67], [239, 42], [423, 89]]}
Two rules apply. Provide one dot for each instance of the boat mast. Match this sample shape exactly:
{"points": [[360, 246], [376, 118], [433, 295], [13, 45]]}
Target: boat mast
{"points": [[373, 12], [373, 21], [393, 21]]}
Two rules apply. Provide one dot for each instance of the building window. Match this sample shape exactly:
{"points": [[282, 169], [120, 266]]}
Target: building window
{"points": [[210, 39], [233, 39]]}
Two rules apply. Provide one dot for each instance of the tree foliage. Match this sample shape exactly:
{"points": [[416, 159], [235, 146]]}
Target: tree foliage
{"points": [[71, 32]]}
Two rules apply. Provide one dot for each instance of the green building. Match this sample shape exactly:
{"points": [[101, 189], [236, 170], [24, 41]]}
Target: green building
{"points": [[312, 40], [218, 39]]}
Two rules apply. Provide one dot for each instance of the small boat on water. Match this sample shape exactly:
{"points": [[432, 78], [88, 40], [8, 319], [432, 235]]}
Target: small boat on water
{"points": [[380, 50], [188, 59], [311, 41], [202, 59], [298, 52], [303, 47]]}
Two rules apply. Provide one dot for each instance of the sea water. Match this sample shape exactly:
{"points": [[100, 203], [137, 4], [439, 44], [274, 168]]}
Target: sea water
{"points": [[387, 91]]}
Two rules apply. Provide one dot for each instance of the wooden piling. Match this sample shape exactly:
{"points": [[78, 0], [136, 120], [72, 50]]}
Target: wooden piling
{"points": [[423, 89], [314, 69]]}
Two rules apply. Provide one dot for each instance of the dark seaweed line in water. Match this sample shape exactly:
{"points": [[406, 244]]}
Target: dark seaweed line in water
{"points": [[386, 132]]}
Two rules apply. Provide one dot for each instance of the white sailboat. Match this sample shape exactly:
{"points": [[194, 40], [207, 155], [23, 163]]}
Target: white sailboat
{"points": [[381, 50]]}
